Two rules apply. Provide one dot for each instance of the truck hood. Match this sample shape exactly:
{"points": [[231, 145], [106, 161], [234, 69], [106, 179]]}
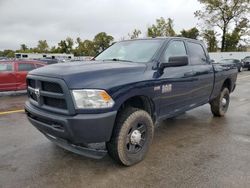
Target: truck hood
{"points": [[91, 74]]}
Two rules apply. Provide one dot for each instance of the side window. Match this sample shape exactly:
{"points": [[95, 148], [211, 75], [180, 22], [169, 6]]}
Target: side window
{"points": [[175, 48], [26, 66], [197, 53], [6, 67]]}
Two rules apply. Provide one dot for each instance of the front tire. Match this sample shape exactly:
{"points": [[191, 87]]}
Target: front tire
{"points": [[132, 136], [220, 104]]}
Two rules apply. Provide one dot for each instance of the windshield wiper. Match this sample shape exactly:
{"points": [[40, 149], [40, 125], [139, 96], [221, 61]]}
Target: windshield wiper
{"points": [[116, 59]]}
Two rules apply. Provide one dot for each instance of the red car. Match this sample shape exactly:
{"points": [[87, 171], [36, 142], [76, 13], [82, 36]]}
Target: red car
{"points": [[13, 74]]}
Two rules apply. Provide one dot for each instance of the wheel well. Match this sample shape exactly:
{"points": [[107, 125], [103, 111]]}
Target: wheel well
{"points": [[141, 102], [228, 84]]}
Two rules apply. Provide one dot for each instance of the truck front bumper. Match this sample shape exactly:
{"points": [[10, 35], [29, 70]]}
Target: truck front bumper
{"points": [[71, 132]]}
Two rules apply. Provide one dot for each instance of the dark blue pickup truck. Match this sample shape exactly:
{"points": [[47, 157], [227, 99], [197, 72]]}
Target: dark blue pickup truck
{"points": [[113, 103]]}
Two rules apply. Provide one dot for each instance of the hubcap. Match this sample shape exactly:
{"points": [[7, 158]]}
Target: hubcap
{"points": [[135, 137], [224, 101]]}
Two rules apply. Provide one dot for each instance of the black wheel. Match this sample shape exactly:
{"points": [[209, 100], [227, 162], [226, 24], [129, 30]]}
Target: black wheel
{"points": [[248, 69], [132, 136], [240, 69], [220, 104]]}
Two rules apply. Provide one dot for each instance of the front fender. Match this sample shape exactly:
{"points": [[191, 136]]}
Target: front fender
{"points": [[145, 89]]}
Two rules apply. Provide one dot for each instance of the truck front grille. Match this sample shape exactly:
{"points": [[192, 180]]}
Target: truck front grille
{"points": [[33, 96], [49, 94], [56, 103], [51, 87], [32, 83]]}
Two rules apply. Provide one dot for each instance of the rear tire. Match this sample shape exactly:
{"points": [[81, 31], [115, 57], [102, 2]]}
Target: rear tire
{"points": [[240, 69], [132, 136], [220, 104]]}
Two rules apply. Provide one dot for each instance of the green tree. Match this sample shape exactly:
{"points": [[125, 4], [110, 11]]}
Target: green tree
{"points": [[135, 34], [192, 33], [78, 40], [66, 46], [23, 48], [210, 38], [78, 50], [223, 14], [88, 48], [161, 28], [232, 39], [42, 46], [102, 41], [54, 49], [9, 53], [85, 48]]}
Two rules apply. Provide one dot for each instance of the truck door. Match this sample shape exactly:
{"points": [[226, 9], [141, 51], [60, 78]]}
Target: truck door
{"points": [[203, 72], [176, 82], [7, 77]]}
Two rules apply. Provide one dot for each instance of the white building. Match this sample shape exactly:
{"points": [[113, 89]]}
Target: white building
{"points": [[43, 55]]}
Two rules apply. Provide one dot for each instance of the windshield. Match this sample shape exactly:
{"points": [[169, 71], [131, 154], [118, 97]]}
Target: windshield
{"points": [[131, 51]]}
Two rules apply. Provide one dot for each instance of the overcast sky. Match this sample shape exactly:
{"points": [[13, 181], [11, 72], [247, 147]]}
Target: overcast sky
{"points": [[27, 21]]}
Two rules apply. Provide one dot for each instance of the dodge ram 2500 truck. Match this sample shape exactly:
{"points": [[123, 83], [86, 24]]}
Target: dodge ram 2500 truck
{"points": [[117, 98]]}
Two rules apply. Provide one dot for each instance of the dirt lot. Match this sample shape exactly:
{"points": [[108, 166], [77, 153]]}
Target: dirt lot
{"points": [[193, 150]]}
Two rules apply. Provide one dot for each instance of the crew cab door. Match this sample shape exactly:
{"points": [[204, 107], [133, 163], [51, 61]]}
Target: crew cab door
{"points": [[176, 82], [7, 77], [22, 71], [203, 73]]}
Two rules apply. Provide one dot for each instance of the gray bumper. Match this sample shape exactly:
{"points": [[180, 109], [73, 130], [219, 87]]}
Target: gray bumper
{"points": [[84, 151], [78, 129]]}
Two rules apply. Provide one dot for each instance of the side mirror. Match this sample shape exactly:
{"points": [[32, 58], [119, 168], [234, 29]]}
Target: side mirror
{"points": [[175, 61]]}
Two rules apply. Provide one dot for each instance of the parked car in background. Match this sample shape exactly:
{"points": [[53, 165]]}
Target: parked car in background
{"points": [[13, 74], [48, 61], [3, 58], [237, 62], [246, 62]]}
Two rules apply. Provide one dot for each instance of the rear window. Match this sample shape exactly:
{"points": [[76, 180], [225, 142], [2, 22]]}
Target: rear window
{"points": [[5, 67], [26, 66]]}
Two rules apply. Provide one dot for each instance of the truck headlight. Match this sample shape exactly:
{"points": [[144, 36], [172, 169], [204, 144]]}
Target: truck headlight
{"points": [[92, 99]]}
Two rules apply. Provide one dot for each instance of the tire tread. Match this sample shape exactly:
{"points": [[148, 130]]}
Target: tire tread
{"points": [[113, 146]]}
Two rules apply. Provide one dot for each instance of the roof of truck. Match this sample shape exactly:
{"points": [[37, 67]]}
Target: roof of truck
{"points": [[164, 38]]}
